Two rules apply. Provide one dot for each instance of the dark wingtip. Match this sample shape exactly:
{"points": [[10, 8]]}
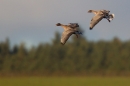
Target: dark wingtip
{"points": [[90, 28], [62, 43]]}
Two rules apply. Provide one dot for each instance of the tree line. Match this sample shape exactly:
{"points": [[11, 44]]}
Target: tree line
{"points": [[76, 56]]}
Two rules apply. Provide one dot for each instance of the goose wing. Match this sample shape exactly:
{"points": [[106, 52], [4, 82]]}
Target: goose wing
{"points": [[96, 19], [66, 35]]}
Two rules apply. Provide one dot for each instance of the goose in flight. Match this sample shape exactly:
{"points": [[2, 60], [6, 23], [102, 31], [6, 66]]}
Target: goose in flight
{"points": [[99, 15], [68, 31]]}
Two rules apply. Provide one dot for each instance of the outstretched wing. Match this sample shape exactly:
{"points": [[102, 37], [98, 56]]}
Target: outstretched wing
{"points": [[96, 19], [66, 35]]}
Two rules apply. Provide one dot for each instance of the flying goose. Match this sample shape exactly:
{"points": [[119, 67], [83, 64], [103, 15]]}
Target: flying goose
{"points": [[68, 31], [99, 15]]}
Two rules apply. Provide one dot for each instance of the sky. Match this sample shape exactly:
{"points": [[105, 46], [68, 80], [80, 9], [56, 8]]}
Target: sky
{"points": [[33, 21]]}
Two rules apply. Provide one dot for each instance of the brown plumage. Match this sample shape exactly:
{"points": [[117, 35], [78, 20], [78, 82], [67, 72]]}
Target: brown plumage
{"points": [[99, 15], [68, 31]]}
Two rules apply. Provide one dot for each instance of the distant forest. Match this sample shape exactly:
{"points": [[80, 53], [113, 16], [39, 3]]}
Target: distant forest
{"points": [[78, 56]]}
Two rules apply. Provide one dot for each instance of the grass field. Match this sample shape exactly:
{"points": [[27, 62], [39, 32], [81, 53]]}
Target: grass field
{"points": [[64, 81]]}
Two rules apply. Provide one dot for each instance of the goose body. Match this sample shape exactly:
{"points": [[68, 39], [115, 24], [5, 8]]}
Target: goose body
{"points": [[68, 31], [99, 15]]}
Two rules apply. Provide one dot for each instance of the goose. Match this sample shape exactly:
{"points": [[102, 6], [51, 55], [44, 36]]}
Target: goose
{"points": [[68, 31], [99, 15]]}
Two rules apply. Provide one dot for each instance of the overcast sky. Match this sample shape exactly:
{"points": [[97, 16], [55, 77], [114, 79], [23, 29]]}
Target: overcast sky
{"points": [[33, 21]]}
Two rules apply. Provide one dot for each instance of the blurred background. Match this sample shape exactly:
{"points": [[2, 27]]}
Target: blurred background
{"points": [[30, 40]]}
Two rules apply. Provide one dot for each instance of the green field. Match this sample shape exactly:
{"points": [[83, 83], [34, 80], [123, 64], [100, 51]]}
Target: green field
{"points": [[64, 81]]}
